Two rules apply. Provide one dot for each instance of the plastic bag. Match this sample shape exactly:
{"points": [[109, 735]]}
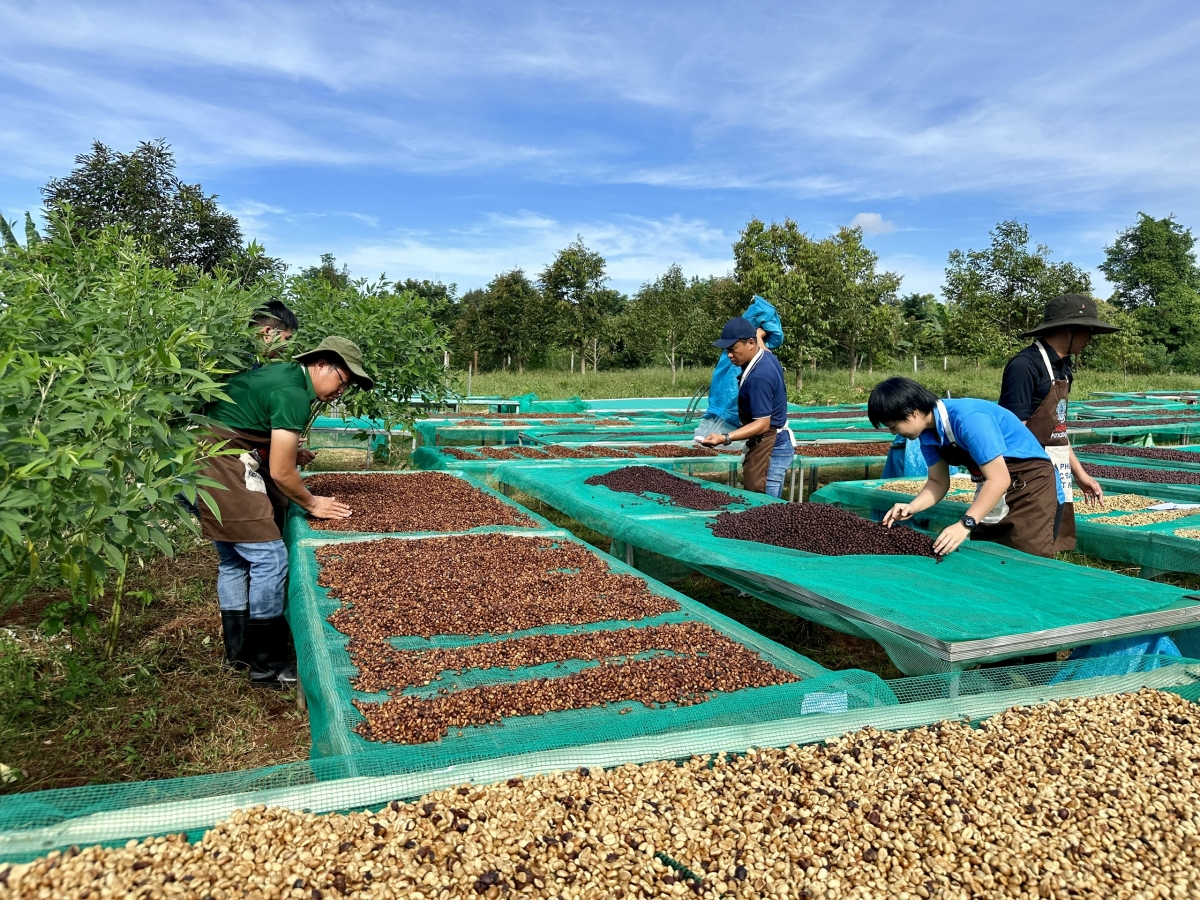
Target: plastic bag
{"points": [[723, 390]]}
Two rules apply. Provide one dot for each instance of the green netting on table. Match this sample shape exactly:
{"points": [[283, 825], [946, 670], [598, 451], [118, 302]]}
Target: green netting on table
{"points": [[33, 824], [531, 403], [930, 616], [1154, 547], [1141, 462], [1180, 493], [1168, 433], [326, 671], [434, 459]]}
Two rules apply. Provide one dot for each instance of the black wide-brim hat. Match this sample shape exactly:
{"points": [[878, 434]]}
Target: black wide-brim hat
{"points": [[1072, 311]]}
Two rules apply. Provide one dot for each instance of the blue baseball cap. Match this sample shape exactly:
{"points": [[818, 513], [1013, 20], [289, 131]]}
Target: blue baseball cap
{"points": [[736, 329]]}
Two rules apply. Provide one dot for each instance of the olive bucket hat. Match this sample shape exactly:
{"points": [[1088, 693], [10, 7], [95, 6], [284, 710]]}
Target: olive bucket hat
{"points": [[345, 350], [1071, 311]]}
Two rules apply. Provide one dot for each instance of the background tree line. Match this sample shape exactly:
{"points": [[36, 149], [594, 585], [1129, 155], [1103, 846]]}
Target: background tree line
{"points": [[837, 307]]}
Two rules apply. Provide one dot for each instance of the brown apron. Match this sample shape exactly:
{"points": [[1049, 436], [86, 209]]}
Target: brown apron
{"points": [[1030, 504], [757, 461], [252, 506], [1049, 425]]}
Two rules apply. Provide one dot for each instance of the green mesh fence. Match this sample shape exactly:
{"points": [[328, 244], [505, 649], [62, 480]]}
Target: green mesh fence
{"points": [[973, 606], [33, 824], [1176, 432], [1155, 547]]}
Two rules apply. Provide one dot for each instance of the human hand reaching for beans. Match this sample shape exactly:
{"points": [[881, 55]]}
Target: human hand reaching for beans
{"points": [[328, 508], [950, 539], [898, 513]]}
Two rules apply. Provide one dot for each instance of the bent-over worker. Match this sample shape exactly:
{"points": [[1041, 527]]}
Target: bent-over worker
{"points": [[268, 409], [762, 410], [1035, 386], [1017, 491]]}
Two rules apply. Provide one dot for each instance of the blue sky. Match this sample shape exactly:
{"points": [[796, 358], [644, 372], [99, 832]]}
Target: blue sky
{"points": [[458, 140]]}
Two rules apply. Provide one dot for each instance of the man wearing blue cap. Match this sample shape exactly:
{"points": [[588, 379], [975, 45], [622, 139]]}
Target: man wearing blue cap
{"points": [[762, 410]]}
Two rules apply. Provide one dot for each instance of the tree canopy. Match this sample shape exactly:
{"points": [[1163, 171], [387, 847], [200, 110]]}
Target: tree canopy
{"points": [[178, 224]]}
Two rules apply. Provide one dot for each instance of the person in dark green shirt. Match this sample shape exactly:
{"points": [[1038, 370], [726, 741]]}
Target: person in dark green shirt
{"points": [[267, 411]]}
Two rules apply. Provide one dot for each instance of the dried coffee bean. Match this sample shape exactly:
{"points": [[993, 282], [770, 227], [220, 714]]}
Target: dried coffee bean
{"points": [[1127, 828], [382, 667], [421, 501], [674, 451], [475, 584], [843, 448], [820, 528], [686, 679], [1122, 423], [646, 480], [1154, 476], [1163, 453]]}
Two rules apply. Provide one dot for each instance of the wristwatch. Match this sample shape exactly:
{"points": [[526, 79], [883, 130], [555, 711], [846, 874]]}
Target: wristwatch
{"points": [[727, 442], [968, 522]]}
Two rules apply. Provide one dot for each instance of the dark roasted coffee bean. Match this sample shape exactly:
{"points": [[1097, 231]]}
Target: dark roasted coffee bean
{"points": [[820, 528], [647, 480]]}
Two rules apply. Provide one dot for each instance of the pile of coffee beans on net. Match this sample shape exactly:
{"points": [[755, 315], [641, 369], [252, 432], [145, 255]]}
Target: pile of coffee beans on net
{"points": [[476, 584], [820, 528], [1152, 476], [381, 667], [843, 449], [1088, 798], [647, 480], [1162, 453], [420, 501], [674, 451], [512, 453], [1123, 423], [688, 663], [834, 414]]}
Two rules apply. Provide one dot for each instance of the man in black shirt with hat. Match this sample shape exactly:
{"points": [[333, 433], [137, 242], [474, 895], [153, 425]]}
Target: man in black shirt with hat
{"points": [[1035, 386]]}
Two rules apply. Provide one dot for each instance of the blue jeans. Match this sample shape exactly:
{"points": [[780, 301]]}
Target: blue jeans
{"points": [[781, 461], [252, 576]]}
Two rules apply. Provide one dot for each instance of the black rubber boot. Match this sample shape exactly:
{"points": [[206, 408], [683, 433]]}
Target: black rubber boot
{"points": [[267, 653], [233, 627]]}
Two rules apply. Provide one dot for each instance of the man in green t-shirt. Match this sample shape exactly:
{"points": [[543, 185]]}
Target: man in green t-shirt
{"points": [[267, 411]]}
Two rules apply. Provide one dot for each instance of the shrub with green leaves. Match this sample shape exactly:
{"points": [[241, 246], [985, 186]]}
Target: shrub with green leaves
{"points": [[106, 364], [401, 340]]}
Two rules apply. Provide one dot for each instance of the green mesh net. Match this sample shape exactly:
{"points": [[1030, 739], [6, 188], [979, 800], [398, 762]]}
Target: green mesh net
{"points": [[975, 605], [33, 824], [1154, 546], [822, 706]]}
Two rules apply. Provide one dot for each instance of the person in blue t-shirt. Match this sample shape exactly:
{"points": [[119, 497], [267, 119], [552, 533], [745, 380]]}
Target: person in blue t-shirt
{"points": [[1017, 495], [762, 410]]}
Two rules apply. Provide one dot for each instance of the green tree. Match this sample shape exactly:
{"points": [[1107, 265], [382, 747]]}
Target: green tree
{"points": [[105, 366], [665, 313], [402, 344], [994, 295], [924, 324], [778, 262], [180, 226], [856, 295], [1124, 349], [575, 281], [509, 320], [1153, 266]]}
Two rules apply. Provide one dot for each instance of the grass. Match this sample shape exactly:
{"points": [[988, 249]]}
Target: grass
{"points": [[161, 708], [823, 386]]}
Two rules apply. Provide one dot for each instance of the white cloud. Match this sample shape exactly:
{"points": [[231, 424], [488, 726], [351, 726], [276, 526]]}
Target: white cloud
{"points": [[872, 223], [636, 249]]}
